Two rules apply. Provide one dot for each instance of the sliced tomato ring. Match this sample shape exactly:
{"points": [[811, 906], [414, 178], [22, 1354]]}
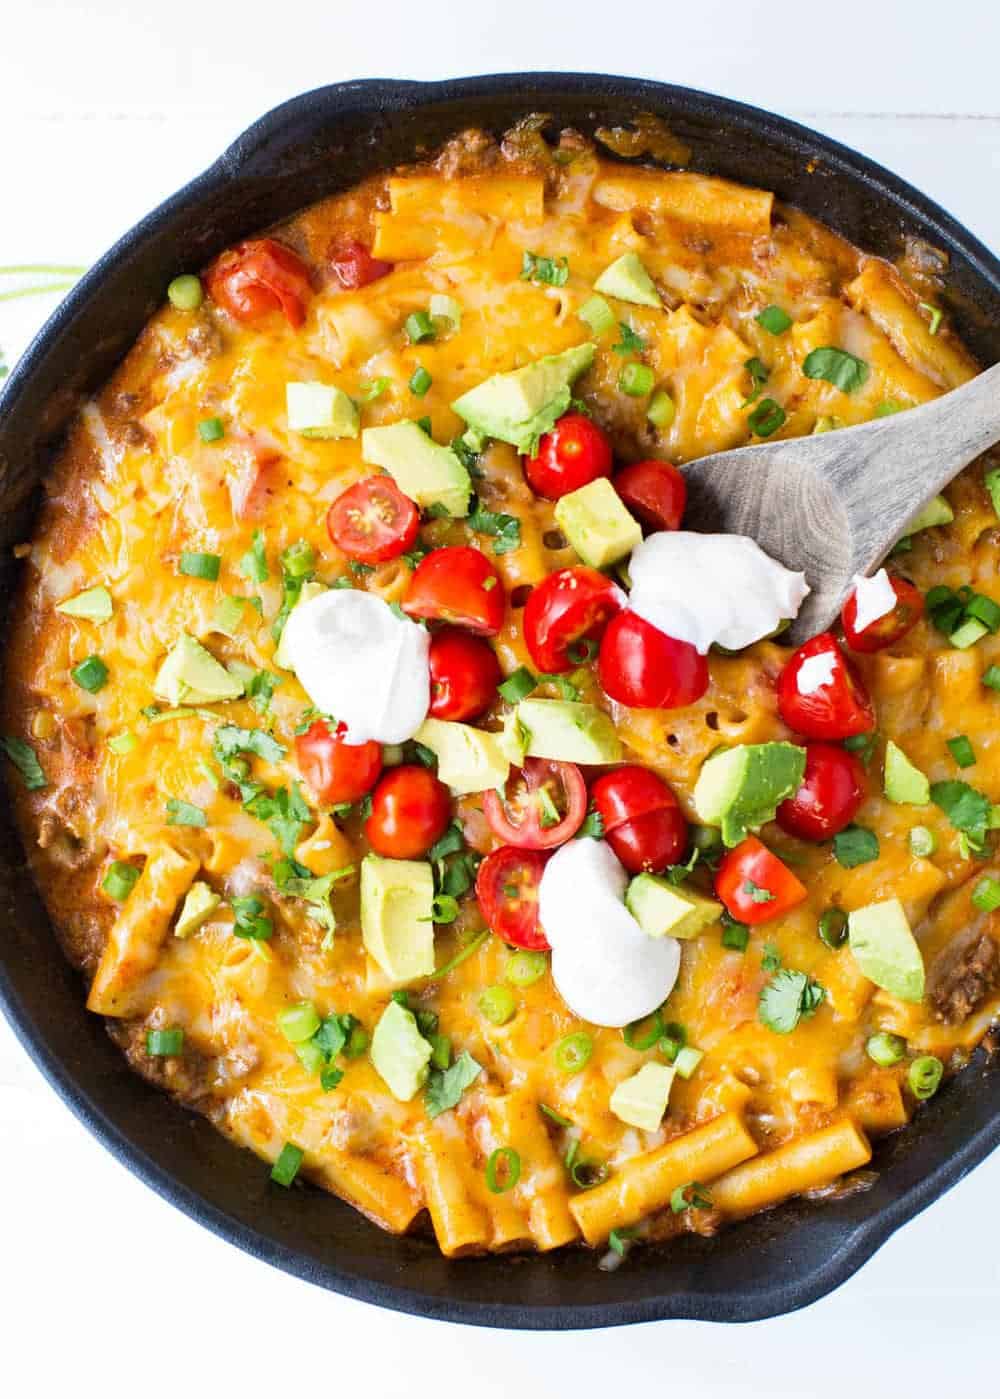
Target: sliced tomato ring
{"points": [[373, 521], [542, 805], [507, 891]]}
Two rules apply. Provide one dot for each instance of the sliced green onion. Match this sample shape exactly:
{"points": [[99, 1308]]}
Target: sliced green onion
{"points": [[597, 314], [934, 316], [923, 842], [890, 406], [357, 1042], [91, 675], [985, 610], [832, 927], [310, 1055], [968, 634], [123, 743], [446, 308], [445, 908], [503, 1170], [986, 895], [160, 1043], [298, 1022], [419, 327], [525, 968], [991, 677], [692, 1196], [645, 1040], [636, 380], [93, 605], [885, 1049], [211, 429], [774, 320], [766, 418], [554, 1116], [518, 686], [586, 1174], [573, 1053], [373, 389], [924, 1076], [440, 1050], [200, 566], [185, 293], [420, 381], [497, 1004], [662, 410], [462, 956], [286, 1168], [120, 880], [962, 751], [687, 1060]]}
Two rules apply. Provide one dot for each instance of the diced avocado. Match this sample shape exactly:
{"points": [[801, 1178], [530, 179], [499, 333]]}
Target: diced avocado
{"points": [[935, 512], [596, 523], [569, 732], [469, 760], [513, 739], [199, 904], [627, 280], [397, 904], [904, 783], [94, 605], [321, 410], [422, 469], [399, 1052], [519, 406], [642, 1099], [886, 950], [739, 788], [659, 908], [192, 675], [309, 591]]}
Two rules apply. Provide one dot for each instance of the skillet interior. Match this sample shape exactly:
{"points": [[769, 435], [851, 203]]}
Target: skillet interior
{"points": [[314, 145]]}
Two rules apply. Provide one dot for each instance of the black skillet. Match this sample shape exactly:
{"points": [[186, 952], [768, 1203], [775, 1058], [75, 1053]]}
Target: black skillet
{"points": [[318, 143]]}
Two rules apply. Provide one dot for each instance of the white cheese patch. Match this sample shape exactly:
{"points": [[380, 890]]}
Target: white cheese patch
{"points": [[606, 969], [361, 664], [875, 597], [815, 672], [712, 588]]}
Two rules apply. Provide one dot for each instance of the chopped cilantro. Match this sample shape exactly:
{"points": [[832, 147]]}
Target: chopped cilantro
{"points": [[181, 813], [630, 343], [505, 529], [593, 823], [855, 845], [251, 921], [253, 564], [844, 371], [24, 758], [553, 272], [788, 997], [446, 1086], [759, 375], [968, 811]]}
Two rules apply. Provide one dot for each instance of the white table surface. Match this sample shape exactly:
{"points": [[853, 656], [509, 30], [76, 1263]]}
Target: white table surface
{"points": [[106, 107]]}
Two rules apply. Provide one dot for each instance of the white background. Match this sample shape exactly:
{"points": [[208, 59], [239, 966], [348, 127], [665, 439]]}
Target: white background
{"points": [[105, 107]]}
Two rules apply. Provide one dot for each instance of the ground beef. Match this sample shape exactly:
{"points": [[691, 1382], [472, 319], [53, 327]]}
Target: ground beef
{"points": [[963, 976]]}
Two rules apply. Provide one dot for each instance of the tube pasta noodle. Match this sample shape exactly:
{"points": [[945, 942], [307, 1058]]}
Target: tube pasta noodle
{"points": [[461, 1224], [517, 1123], [879, 292], [803, 1164], [689, 198]]}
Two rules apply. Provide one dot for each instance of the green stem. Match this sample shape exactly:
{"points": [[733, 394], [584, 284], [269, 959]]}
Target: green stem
{"points": [[47, 269], [35, 291], [460, 957]]}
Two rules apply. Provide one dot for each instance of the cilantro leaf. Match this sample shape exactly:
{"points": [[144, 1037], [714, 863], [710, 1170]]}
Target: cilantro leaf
{"points": [[24, 758], [298, 566], [630, 343], [855, 845], [180, 813], [450, 843], [593, 823], [230, 740], [757, 894], [771, 959], [284, 812], [260, 690], [446, 1086], [251, 921], [253, 564], [317, 892], [844, 371], [759, 375], [786, 999], [553, 272], [505, 529], [966, 809]]}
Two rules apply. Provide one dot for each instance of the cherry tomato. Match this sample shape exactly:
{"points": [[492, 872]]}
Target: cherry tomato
{"points": [[755, 885], [820, 695], [507, 891], [832, 790], [373, 521], [642, 822], [542, 805], [354, 265], [887, 630], [465, 674], [410, 811], [250, 483], [457, 584], [258, 277], [574, 453], [641, 666], [333, 770], [655, 492], [566, 608]]}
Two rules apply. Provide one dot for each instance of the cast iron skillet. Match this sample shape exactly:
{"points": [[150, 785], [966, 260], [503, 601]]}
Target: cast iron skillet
{"points": [[320, 142]]}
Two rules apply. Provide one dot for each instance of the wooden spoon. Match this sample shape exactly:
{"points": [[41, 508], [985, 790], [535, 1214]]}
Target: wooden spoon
{"points": [[833, 505]]}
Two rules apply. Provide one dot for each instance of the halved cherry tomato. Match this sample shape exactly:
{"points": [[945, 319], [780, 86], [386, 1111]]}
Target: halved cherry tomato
{"points": [[887, 630], [655, 492], [335, 771], [410, 811], [465, 674], [354, 265], [641, 666], [755, 885], [820, 695], [832, 790], [250, 480], [568, 607], [574, 453], [507, 891], [457, 584], [542, 805], [258, 277], [373, 521], [642, 822]]}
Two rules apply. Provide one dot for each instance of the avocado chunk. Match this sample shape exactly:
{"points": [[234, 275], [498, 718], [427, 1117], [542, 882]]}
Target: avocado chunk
{"points": [[596, 523], [885, 949], [568, 731], [397, 905], [519, 406], [642, 1099], [469, 760], [739, 788], [904, 783], [310, 590], [422, 469], [659, 908], [399, 1052], [192, 675], [935, 512], [199, 904], [321, 410], [513, 739], [94, 605], [627, 280]]}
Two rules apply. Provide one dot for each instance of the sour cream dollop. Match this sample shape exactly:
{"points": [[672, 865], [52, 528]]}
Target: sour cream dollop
{"points": [[606, 969], [361, 663], [712, 588], [874, 597]]}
